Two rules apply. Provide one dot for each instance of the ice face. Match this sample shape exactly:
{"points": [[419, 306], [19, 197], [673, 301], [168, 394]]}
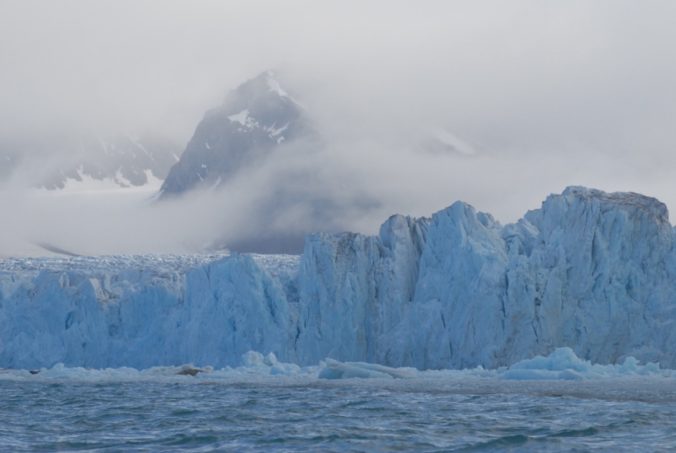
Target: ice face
{"points": [[588, 270], [141, 313]]}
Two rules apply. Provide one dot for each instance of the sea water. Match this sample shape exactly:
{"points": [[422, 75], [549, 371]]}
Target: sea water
{"points": [[131, 411]]}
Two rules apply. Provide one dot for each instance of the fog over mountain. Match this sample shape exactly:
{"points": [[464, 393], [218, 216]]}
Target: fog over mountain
{"points": [[255, 119], [60, 162], [411, 108]]}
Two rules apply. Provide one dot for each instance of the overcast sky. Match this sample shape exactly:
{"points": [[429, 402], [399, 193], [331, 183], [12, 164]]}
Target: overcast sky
{"points": [[547, 94]]}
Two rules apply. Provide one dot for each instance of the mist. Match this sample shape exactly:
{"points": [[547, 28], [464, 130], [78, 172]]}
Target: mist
{"points": [[540, 95]]}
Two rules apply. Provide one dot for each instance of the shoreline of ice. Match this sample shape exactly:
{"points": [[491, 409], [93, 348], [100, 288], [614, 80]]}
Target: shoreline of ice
{"points": [[561, 365], [589, 270]]}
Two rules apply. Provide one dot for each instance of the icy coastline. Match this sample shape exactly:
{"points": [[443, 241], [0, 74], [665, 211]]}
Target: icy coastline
{"points": [[589, 270], [561, 365]]}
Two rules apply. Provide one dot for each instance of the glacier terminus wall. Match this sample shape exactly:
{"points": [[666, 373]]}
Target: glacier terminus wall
{"points": [[591, 270]]}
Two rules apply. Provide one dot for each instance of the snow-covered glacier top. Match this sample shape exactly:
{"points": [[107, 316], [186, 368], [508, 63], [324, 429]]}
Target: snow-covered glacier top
{"points": [[589, 270], [107, 263]]}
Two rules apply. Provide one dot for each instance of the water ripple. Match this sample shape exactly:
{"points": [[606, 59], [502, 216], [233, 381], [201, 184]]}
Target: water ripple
{"points": [[346, 416]]}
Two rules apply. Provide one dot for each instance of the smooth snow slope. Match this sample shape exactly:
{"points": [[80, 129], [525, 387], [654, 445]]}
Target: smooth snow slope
{"points": [[589, 270]]}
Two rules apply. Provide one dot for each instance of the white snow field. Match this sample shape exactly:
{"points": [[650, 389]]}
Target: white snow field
{"points": [[591, 271]]}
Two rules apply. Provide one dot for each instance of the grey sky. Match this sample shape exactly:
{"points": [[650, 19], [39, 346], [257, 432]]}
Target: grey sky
{"points": [[548, 93]]}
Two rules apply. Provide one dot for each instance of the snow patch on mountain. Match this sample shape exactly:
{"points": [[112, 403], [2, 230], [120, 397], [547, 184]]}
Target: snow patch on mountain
{"points": [[243, 118], [85, 183], [274, 85]]}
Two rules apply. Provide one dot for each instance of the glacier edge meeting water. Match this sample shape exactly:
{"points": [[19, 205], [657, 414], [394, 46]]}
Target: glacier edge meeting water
{"points": [[561, 365], [589, 270]]}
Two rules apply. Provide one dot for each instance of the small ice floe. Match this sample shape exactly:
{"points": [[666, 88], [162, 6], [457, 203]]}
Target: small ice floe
{"points": [[255, 362], [564, 364], [333, 369]]}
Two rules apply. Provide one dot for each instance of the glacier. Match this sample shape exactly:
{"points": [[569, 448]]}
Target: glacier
{"points": [[588, 270]]}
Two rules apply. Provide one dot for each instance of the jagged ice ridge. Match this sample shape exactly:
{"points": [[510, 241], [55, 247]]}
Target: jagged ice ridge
{"points": [[590, 270]]}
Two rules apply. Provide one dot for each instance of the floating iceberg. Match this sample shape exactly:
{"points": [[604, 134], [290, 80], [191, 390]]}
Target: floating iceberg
{"points": [[564, 364], [333, 369]]}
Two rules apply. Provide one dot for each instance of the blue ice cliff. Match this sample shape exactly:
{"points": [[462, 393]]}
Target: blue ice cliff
{"points": [[590, 270]]}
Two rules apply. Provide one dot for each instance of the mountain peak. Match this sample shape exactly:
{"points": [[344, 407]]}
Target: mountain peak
{"points": [[265, 87], [274, 85], [253, 120]]}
